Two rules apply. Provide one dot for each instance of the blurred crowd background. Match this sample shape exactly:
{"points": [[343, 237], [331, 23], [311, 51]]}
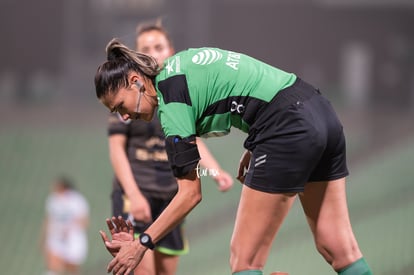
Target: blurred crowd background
{"points": [[360, 53]]}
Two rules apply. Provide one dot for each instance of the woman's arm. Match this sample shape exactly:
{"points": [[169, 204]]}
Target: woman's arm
{"points": [[140, 209], [222, 178], [187, 197], [131, 252]]}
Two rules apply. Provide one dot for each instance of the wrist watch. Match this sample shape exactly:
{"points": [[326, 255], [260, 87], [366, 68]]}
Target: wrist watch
{"points": [[146, 240]]}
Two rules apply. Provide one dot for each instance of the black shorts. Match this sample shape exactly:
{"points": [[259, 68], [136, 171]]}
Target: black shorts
{"points": [[297, 139], [174, 243]]}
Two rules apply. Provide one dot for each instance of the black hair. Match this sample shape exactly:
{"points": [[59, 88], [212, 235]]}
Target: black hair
{"points": [[113, 74]]}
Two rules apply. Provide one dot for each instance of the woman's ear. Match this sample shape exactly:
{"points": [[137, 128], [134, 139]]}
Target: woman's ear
{"points": [[132, 78]]}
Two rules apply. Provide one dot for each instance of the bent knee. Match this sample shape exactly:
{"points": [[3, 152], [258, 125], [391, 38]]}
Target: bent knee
{"points": [[338, 255]]}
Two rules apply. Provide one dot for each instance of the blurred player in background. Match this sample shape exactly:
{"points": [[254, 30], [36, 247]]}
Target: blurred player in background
{"points": [[144, 184], [64, 235]]}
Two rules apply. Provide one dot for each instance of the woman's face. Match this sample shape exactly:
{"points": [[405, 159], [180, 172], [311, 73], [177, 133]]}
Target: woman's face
{"points": [[155, 44], [137, 101]]}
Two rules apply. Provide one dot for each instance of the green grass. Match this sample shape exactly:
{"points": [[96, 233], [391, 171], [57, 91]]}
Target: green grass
{"points": [[380, 199], [30, 159]]}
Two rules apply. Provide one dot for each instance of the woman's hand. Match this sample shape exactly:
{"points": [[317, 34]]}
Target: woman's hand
{"points": [[224, 180], [121, 231], [127, 259], [140, 209], [244, 165]]}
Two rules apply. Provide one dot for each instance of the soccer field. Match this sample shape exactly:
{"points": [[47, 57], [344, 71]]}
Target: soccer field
{"points": [[380, 198]]}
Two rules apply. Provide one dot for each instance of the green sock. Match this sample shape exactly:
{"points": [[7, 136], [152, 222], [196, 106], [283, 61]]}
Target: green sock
{"points": [[249, 272], [359, 267]]}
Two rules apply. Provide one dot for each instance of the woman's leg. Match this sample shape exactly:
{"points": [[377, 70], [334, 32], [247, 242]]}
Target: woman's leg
{"points": [[72, 269], [259, 217], [55, 264], [326, 209], [166, 264]]}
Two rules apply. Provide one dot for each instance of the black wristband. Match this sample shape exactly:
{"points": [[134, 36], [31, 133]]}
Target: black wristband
{"points": [[146, 240]]}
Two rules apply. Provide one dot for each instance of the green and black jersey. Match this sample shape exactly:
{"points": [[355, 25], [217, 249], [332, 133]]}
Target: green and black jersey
{"points": [[205, 91]]}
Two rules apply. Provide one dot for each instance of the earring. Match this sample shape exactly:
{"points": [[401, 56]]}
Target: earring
{"points": [[138, 84]]}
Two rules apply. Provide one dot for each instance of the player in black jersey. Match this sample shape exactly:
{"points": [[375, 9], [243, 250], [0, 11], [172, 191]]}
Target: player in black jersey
{"points": [[144, 184], [295, 147]]}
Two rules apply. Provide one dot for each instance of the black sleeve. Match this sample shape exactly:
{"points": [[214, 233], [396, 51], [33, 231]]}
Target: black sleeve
{"points": [[182, 154], [116, 125]]}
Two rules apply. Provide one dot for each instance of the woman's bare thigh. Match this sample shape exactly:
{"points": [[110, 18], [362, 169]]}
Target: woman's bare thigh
{"points": [[258, 219]]}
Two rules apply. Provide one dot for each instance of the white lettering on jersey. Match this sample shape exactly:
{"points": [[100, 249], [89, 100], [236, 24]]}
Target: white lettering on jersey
{"points": [[235, 107], [177, 64], [169, 66], [206, 57], [233, 60]]}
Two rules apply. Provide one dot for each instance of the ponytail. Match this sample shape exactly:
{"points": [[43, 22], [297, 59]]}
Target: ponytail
{"points": [[147, 64], [113, 74]]}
